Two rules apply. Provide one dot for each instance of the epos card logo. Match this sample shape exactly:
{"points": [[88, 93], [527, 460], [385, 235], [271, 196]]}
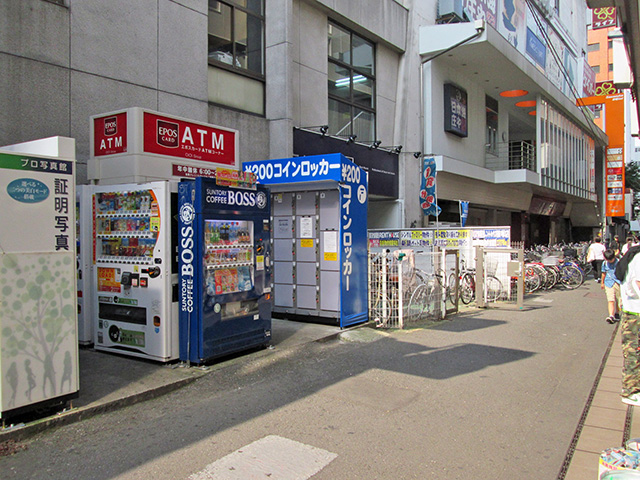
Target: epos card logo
{"points": [[167, 134], [110, 126]]}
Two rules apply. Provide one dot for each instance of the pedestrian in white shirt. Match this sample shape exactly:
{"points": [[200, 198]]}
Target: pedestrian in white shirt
{"points": [[595, 255], [627, 245]]}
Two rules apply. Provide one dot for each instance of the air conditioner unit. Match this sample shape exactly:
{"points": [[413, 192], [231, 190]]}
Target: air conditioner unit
{"points": [[450, 7]]}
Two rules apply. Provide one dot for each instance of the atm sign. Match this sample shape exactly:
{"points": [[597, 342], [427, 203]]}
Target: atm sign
{"points": [[110, 134]]}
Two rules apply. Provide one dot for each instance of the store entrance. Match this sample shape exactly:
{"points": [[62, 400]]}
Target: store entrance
{"points": [[540, 226]]}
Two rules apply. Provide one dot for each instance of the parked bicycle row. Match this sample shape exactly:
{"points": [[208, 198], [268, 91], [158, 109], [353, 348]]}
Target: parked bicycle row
{"points": [[546, 268]]}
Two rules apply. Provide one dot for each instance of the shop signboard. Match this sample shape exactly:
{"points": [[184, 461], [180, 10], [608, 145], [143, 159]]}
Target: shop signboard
{"points": [[110, 134], [139, 145], [448, 237], [603, 17], [536, 50], [455, 110], [175, 137], [615, 182], [38, 322]]}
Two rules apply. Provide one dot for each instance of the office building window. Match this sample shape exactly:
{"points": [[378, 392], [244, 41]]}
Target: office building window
{"points": [[596, 68], [236, 35], [491, 140], [593, 47], [236, 54], [351, 84], [566, 154]]}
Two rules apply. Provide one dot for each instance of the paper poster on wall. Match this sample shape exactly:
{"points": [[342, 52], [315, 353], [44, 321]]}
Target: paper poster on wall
{"points": [[306, 227], [330, 240]]}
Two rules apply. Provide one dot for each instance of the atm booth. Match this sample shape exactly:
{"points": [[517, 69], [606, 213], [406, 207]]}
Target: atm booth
{"points": [[319, 222]]}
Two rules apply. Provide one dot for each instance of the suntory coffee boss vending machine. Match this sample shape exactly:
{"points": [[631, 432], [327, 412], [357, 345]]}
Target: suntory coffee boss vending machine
{"points": [[135, 279], [225, 268]]}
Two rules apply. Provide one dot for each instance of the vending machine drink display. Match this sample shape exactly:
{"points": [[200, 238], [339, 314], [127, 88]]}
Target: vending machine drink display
{"points": [[136, 269], [225, 269], [319, 208]]}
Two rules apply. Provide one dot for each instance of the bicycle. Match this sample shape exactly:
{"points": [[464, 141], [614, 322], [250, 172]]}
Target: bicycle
{"points": [[426, 297], [467, 285]]}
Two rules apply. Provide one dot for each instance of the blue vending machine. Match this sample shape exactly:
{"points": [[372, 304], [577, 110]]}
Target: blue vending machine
{"points": [[224, 269], [319, 237]]}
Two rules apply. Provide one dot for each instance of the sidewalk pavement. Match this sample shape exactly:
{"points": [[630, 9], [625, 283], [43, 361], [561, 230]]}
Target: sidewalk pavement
{"points": [[608, 423], [109, 382]]}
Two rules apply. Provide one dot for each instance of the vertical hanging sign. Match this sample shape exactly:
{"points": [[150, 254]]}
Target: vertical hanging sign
{"points": [[428, 189], [615, 182], [464, 213]]}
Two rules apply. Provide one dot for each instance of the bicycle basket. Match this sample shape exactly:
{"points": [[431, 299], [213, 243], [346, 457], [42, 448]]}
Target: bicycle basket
{"points": [[491, 267]]}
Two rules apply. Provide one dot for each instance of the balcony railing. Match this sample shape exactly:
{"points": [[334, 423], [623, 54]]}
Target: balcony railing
{"points": [[512, 156]]}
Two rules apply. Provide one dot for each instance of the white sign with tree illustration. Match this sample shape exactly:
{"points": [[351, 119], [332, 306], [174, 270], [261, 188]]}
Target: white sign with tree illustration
{"points": [[38, 299]]}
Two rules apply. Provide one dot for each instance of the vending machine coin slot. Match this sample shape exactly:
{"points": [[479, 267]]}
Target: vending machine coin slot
{"points": [[125, 280]]}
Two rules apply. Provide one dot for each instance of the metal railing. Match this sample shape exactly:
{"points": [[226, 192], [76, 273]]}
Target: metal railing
{"points": [[406, 287], [512, 156]]}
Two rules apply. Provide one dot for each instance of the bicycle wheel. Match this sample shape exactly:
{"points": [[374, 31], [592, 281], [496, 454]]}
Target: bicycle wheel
{"points": [[493, 287], [466, 289], [531, 279], [552, 277], [571, 276], [451, 288], [417, 302], [542, 273], [433, 300]]}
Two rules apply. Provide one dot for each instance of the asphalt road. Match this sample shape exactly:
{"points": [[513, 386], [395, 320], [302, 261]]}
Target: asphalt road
{"points": [[492, 394]]}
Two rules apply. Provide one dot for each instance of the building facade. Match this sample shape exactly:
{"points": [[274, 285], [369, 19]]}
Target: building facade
{"points": [[301, 77]]}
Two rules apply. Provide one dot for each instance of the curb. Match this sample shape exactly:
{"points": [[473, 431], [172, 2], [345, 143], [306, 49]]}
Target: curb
{"points": [[22, 432], [78, 414]]}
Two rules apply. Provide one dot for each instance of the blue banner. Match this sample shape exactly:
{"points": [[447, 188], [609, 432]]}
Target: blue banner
{"points": [[464, 213], [428, 188], [536, 49], [313, 168]]}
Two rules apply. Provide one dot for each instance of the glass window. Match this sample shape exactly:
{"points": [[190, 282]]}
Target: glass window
{"points": [[363, 124], [566, 154], [363, 91], [236, 35], [593, 47], [491, 107], [351, 84], [363, 55], [339, 81], [339, 118], [339, 44]]}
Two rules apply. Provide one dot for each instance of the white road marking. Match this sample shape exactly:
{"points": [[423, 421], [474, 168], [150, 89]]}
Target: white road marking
{"points": [[272, 458], [543, 300]]}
